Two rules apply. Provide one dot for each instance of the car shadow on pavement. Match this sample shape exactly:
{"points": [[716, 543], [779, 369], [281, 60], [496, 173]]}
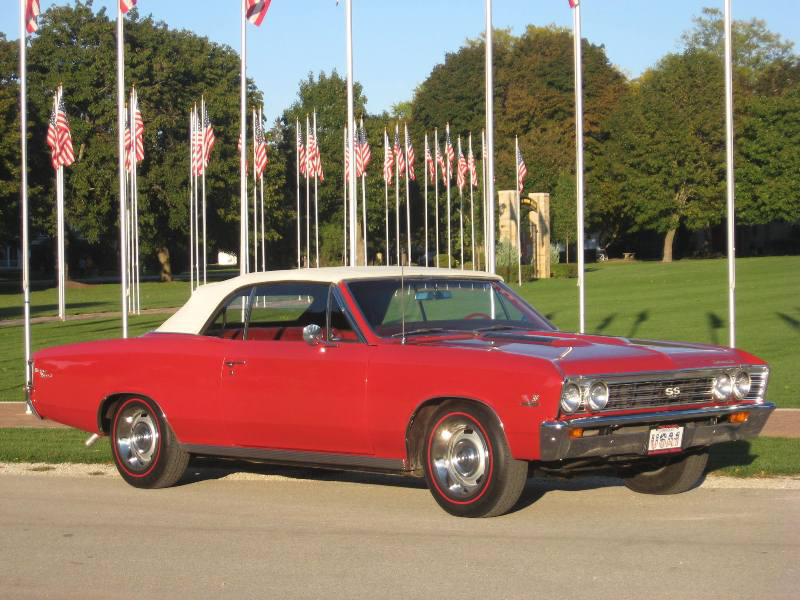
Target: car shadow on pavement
{"points": [[730, 454], [537, 487]]}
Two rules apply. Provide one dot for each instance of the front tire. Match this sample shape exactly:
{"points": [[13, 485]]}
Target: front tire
{"points": [[146, 452], [468, 465], [678, 475]]}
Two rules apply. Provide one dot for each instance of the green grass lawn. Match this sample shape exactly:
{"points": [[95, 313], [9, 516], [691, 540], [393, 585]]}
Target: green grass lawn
{"points": [[684, 300], [92, 298], [761, 457]]}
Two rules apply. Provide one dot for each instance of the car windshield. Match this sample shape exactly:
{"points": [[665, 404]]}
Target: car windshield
{"points": [[437, 306]]}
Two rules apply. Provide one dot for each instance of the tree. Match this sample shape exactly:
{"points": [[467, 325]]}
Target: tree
{"points": [[754, 47], [668, 141]]}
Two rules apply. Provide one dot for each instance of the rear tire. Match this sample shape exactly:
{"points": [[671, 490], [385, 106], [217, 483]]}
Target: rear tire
{"points": [[468, 465], [146, 452], [680, 474]]}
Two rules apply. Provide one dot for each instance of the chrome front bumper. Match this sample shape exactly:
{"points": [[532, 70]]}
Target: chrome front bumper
{"points": [[629, 434]]}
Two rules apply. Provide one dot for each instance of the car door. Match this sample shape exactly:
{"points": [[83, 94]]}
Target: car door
{"points": [[281, 392]]}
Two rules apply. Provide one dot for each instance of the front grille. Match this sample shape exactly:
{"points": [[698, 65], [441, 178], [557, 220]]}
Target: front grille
{"points": [[648, 394]]}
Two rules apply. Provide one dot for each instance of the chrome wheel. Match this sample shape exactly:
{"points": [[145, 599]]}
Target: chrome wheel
{"points": [[136, 437], [460, 461]]}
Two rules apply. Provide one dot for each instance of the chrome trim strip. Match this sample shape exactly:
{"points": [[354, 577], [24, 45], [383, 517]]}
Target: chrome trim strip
{"points": [[556, 444], [298, 457], [30, 405], [647, 376]]}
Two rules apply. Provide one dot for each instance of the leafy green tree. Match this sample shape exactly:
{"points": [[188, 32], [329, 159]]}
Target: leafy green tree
{"points": [[668, 143], [754, 47]]}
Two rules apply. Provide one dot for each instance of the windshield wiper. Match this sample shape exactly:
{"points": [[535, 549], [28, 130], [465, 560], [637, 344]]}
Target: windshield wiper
{"points": [[421, 331]]}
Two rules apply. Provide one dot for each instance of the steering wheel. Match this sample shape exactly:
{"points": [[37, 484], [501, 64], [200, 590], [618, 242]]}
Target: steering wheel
{"points": [[478, 315]]}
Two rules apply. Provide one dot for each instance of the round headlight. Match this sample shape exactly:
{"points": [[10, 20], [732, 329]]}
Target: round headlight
{"points": [[723, 387], [741, 384], [598, 396], [571, 398]]}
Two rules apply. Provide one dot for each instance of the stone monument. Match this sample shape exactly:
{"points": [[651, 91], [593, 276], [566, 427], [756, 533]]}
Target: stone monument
{"points": [[535, 233]]}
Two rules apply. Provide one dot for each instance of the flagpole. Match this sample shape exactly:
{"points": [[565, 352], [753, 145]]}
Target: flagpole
{"points": [[397, 195], [23, 124], [519, 212], [308, 193], [386, 190], [59, 221], [316, 193], [243, 246], [344, 196], [472, 203], [489, 93], [427, 151], [436, 189], [202, 132], [350, 123], [191, 200], [364, 196], [576, 35], [730, 178], [297, 137], [255, 193], [123, 242], [197, 238], [483, 199], [408, 196], [461, 209], [449, 242]]}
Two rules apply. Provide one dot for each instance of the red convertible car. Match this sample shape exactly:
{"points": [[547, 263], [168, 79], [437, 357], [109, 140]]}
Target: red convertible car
{"points": [[442, 374]]}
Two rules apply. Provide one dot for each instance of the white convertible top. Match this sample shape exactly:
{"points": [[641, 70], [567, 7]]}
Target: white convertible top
{"points": [[191, 317]]}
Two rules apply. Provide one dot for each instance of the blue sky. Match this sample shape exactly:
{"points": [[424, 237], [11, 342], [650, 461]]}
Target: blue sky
{"points": [[396, 44]]}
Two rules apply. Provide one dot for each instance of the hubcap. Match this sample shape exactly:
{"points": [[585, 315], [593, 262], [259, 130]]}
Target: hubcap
{"points": [[459, 458], [136, 437]]}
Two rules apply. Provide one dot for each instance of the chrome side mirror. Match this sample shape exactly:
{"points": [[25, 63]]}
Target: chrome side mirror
{"points": [[312, 334]]}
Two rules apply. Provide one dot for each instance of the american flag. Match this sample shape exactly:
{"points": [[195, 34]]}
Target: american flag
{"points": [[32, 11], [52, 139], [256, 9], [442, 166], [388, 159], [126, 5], [473, 171], [197, 146], [522, 171], [314, 159], [261, 149], [127, 143], [429, 160], [208, 132], [138, 125], [347, 156], [66, 156], [357, 150], [448, 148], [365, 149], [410, 156], [399, 159], [301, 150], [462, 170]]}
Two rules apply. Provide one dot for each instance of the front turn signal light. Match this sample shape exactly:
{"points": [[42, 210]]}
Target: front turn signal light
{"points": [[576, 433], [739, 417]]}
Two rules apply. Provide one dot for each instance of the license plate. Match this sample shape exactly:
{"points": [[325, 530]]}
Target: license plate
{"points": [[665, 439]]}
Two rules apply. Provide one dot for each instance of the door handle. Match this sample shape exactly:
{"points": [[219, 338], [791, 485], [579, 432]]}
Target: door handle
{"points": [[233, 363]]}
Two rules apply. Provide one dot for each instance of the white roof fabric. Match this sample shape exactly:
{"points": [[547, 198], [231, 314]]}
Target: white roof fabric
{"points": [[191, 317]]}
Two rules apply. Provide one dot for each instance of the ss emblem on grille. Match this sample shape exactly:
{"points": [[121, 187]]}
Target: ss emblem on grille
{"points": [[672, 391]]}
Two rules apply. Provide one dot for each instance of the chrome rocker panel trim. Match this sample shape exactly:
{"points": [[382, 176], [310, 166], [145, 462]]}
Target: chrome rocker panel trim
{"points": [[556, 444], [293, 457]]}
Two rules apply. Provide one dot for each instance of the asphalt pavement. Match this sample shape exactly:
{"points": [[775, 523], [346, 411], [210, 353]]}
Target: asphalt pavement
{"points": [[291, 533]]}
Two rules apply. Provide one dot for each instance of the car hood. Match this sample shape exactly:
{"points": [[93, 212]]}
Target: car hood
{"points": [[576, 354]]}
